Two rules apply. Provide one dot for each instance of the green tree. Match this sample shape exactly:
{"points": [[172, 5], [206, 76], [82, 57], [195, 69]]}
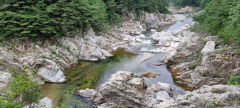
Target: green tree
{"points": [[221, 17], [47, 18]]}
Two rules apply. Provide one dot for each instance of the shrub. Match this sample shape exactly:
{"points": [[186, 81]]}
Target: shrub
{"points": [[234, 80], [23, 90], [8, 104]]}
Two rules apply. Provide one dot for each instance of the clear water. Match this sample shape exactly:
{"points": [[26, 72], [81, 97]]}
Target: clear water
{"points": [[121, 62], [153, 64]]}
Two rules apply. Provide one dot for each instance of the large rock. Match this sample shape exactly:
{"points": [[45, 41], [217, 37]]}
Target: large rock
{"points": [[128, 90], [222, 96], [156, 20], [209, 47], [51, 72], [186, 10]]}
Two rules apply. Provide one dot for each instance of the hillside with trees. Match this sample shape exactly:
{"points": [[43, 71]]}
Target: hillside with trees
{"points": [[47, 18], [219, 17], [119, 53]]}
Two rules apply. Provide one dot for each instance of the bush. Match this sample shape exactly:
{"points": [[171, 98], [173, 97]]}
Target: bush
{"points": [[198, 3], [23, 90], [8, 104], [199, 29], [187, 2], [234, 80]]}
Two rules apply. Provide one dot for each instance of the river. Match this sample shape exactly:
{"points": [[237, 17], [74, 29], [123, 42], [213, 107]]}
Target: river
{"points": [[92, 74]]}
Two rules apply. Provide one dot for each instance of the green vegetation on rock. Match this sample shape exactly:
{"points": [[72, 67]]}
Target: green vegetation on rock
{"points": [[4, 103], [234, 80], [22, 89]]}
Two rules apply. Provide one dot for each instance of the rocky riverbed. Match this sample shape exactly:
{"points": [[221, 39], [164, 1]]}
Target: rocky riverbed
{"points": [[125, 89], [200, 62], [49, 58]]}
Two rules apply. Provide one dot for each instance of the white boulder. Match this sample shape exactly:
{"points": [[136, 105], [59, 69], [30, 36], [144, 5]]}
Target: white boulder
{"points": [[51, 72], [209, 47]]}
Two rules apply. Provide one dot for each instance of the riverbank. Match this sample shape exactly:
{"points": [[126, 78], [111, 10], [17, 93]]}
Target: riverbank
{"points": [[46, 61], [201, 63]]}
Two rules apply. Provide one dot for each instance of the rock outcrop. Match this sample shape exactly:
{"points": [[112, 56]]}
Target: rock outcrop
{"points": [[51, 72], [170, 42], [156, 20], [186, 10], [201, 64], [51, 57], [209, 47], [126, 89], [219, 96]]}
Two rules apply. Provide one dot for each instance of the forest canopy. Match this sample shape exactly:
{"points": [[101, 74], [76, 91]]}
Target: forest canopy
{"points": [[222, 18], [219, 17], [47, 18], [200, 3]]}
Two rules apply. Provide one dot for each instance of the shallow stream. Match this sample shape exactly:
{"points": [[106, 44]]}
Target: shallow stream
{"points": [[92, 74]]}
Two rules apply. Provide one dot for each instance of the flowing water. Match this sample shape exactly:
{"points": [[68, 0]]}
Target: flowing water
{"points": [[92, 74]]}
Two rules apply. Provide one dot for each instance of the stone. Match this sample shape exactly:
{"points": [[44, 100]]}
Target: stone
{"points": [[223, 95], [128, 90], [149, 75], [209, 47], [160, 87], [88, 93], [51, 72], [186, 10], [121, 76], [164, 97]]}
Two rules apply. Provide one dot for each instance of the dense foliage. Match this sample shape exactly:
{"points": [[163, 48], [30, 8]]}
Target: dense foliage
{"points": [[46, 18], [222, 18], [8, 104], [32, 18], [200, 3]]}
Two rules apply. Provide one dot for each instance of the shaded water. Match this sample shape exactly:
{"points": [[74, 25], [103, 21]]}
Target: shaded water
{"points": [[92, 74], [83, 75]]}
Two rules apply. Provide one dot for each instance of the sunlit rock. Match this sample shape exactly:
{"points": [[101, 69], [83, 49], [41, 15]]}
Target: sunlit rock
{"points": [[209, 47], [51, 72]]}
